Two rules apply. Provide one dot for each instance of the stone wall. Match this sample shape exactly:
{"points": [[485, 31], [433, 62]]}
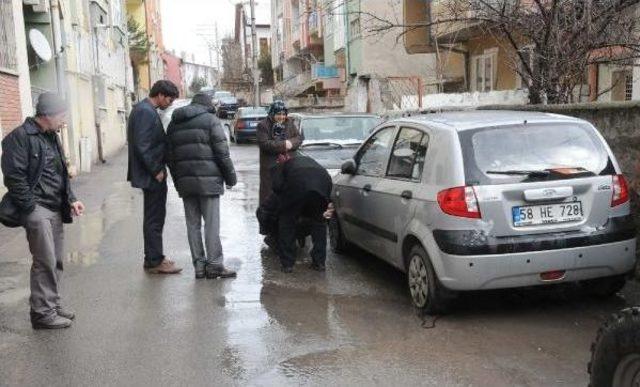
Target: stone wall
{"points": [[10, 105]]}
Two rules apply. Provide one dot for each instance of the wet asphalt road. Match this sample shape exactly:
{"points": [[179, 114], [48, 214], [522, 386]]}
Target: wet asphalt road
{"points": [[352, 325]]}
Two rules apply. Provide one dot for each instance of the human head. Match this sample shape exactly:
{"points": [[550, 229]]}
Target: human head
{"points": [[203, 100], [163, 93], [51, 111], [278, 111]]}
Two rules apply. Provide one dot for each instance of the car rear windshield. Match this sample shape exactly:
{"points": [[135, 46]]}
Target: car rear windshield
{"points": [[337, 128], [229, 100], [503, 155], [253, 112]]}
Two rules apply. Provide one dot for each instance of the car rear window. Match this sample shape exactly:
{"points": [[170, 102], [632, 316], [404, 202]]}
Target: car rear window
{"points": [[532, 147], [338, 128]]}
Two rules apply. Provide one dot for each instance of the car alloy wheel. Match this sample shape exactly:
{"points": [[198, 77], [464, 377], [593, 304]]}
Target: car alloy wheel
{"points": [[418, 281], [627, 372]]}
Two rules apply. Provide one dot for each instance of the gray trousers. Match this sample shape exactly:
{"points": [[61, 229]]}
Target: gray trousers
{"points": [[197, 208], [46, 239]]}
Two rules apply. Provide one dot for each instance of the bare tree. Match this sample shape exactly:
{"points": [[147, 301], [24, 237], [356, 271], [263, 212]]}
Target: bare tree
{"points": [[232, 63], [550, 43]]}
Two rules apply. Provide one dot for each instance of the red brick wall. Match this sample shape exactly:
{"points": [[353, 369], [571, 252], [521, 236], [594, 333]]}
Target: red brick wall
{"points": [[10, 107]]}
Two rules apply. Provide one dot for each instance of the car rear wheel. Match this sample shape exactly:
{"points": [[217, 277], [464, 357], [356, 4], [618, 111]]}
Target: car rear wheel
{"points": [[427, 294], [337, 241], [615, 354], [604, 287]]}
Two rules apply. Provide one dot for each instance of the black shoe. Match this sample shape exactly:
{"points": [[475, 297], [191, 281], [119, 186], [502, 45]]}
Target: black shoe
{"points": [[287, 269], [53, 322], [199, 268], [318, 266], [212, 272], [66, 313]]}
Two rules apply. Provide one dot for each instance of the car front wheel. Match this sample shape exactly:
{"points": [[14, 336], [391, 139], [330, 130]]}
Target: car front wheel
{"points": [[427, 294]]}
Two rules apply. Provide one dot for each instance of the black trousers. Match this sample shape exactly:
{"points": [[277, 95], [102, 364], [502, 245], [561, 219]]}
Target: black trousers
{"points": [[287, 227], [155, 210]]}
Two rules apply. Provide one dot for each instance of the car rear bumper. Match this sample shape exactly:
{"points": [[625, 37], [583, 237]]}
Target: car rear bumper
{"points": [[496, 271], [245, 134]]}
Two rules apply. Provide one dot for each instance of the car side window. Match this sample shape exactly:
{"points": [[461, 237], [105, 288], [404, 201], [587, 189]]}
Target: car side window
{"points": [[372, 157], [408, 154]]}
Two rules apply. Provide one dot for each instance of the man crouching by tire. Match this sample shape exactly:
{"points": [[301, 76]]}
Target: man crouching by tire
{"points": [[301, 189]]}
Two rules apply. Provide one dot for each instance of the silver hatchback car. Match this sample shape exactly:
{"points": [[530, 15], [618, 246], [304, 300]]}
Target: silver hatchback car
{"points": [[487, 200]]}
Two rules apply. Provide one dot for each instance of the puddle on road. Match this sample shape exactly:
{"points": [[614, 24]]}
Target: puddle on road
{"points": [[84, 236]]}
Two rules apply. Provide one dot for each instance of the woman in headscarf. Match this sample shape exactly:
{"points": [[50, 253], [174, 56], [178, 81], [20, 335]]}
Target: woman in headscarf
{"points": [[277, 137]]}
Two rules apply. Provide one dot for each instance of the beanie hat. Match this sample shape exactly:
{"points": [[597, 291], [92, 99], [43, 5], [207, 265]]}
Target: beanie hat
{"points": [[50, 104], [277, 107]]}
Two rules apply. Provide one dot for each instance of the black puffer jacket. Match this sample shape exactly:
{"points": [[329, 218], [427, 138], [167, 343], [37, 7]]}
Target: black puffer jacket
{"points": [[198, 153]]}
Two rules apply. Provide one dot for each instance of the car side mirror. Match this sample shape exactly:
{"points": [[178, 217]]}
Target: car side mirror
{"points": [[349, 167]]}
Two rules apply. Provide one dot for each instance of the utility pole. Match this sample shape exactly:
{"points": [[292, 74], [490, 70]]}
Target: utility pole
{"points": [[254, 48]]}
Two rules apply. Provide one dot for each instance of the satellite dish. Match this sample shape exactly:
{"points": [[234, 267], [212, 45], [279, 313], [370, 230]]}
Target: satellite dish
{"points": [[40, 45]]}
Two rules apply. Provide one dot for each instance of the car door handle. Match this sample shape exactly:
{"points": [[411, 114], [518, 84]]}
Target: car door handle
{"points": [[367, 188], [406, 194]]}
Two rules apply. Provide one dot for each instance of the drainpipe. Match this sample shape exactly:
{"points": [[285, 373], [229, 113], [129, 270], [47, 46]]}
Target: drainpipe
{"points": [[347, 56], [96, 110]]}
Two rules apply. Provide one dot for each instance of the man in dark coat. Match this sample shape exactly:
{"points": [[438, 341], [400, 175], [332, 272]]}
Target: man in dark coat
{"points": [[277, 135], [302, 189], [199, 161], [146, 138], [36, 176]]}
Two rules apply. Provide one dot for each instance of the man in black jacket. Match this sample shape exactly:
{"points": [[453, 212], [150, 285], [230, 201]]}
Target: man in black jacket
{"points": [[301, 190], [146, 138], [36, 177], [198, 157]]}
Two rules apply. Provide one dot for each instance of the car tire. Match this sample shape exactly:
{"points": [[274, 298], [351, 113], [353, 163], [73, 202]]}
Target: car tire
{"points": [[615, 353], [425, 290], [604, 287], [337, 241]]}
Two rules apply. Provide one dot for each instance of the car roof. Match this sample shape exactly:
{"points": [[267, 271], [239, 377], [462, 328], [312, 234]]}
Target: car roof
{"points": [[336, 114], [466, 120]]}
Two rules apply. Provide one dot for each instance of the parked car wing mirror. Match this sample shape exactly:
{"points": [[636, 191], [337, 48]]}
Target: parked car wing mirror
{"points": [[349, 167]]}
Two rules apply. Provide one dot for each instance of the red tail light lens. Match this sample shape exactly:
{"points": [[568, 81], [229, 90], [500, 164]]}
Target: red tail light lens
{"points": [[620, 191], [241, 124], [459, 201]]}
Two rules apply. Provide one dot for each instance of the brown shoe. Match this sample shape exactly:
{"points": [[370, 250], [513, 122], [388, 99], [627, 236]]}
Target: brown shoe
{"points": [[165, 267]]}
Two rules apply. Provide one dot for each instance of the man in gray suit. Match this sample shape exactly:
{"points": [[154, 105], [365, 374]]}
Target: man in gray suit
{"points": [[146, 138]]}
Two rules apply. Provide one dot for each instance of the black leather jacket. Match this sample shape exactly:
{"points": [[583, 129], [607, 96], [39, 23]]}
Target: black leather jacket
{"points": [[23, 159]]}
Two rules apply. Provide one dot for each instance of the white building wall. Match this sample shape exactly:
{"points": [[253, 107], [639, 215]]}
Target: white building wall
{"points": [[23, 62]]}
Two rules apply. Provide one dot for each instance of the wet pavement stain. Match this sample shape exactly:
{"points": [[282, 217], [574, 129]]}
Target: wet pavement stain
{"points": [[351, 325]]}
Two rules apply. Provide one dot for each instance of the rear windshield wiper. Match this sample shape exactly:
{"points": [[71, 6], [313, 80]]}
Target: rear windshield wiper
{"points": [[528, 173]]}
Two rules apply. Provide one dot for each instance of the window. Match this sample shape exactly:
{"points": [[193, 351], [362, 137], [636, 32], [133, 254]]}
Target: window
{"points": [[8, 59], [628, 86], [483, 68], [372, 156], [407, 157]]}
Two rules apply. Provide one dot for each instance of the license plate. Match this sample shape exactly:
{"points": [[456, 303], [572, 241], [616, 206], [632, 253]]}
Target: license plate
{"points": [[547, 214], [253, 124]]}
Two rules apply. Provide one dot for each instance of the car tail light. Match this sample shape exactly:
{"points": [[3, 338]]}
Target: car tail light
{"points": [[620, 191], [241, 124], [553, 275], [459, 201]]}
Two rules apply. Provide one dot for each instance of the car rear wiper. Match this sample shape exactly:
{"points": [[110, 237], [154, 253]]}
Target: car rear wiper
{"points": [[333, 144], [528, 173]]}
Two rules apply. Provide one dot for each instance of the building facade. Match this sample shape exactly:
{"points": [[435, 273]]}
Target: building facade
{"points": [[173, 70], [147, 63]]}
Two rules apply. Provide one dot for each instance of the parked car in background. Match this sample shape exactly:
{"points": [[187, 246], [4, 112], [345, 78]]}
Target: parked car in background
{"points": [[226, 106], [331, 139], [165, 115], [219, 94], [245, 124], [487, 200], [210, 91]]}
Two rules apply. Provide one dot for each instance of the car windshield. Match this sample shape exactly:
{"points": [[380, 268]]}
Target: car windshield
{"points": [[495, 155], [222, 94], [337, 128], [228, 100]]}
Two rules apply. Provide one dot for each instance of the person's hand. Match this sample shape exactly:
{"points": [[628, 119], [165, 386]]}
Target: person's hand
{"points": [[328, 214], [77, 208], [288, 144], [160, 177]]}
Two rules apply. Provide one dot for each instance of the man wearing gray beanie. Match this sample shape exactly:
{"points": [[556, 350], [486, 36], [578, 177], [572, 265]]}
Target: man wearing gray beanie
{"points": [[36, 176]]}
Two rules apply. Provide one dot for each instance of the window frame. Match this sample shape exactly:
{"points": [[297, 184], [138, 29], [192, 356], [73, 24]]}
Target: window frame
{"points": [[488, 54], [358, 156], [425, 134]]}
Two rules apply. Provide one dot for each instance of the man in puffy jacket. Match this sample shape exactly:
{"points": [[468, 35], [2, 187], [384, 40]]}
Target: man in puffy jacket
{"points": [[199, 161]]}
